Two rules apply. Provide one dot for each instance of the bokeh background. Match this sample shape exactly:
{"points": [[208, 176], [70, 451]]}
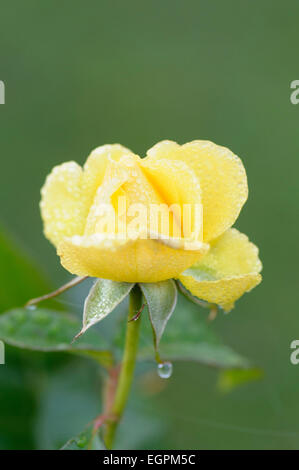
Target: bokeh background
{"points": [[81, 74]]}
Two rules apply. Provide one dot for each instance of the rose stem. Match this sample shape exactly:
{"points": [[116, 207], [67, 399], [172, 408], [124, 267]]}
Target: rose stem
{"points": [[127, 368]]}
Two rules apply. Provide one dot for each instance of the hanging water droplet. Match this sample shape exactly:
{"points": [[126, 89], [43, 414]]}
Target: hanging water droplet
{"points": [[164, 370], [31, 307]]}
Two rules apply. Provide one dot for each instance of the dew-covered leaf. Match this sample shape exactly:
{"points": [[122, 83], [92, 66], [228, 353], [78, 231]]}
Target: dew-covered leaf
{"points": [[161, 298], [48, 330], [189, 337], [102, 299]]}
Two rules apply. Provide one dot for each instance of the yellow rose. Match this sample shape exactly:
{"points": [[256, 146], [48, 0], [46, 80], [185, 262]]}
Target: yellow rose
{"points": [[90, 216]]}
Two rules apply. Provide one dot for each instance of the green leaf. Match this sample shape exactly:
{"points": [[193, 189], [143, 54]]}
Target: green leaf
{"points": [[48, 330], [86, 440], [20, 279], [189, 337], [103, 297], [232, 378], [161, 298]]}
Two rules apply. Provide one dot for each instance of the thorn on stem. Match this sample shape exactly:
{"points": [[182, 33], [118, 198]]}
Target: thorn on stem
{"points": [[135, 317]]}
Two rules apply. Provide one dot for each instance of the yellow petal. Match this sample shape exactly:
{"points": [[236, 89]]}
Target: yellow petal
{"points": [[61, 206], [68, 192], [123, 178], [226, 272], [179, 188], [222, 178], [101, 217], [95, 168], [124, 260]]}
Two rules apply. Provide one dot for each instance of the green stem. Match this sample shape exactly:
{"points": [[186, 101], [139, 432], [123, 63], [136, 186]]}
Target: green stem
{"points": [[127, 368]]}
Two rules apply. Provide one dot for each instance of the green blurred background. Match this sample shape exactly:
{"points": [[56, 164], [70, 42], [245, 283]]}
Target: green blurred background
{"points": [[81, 74]]}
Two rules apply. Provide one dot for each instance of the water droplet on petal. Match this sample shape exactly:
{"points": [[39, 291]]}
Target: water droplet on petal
{"points": [[164, 370]]}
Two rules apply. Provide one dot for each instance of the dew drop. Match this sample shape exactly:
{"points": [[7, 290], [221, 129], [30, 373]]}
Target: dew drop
{"points": [[31, 307], [164, 370], [82, 442]]}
